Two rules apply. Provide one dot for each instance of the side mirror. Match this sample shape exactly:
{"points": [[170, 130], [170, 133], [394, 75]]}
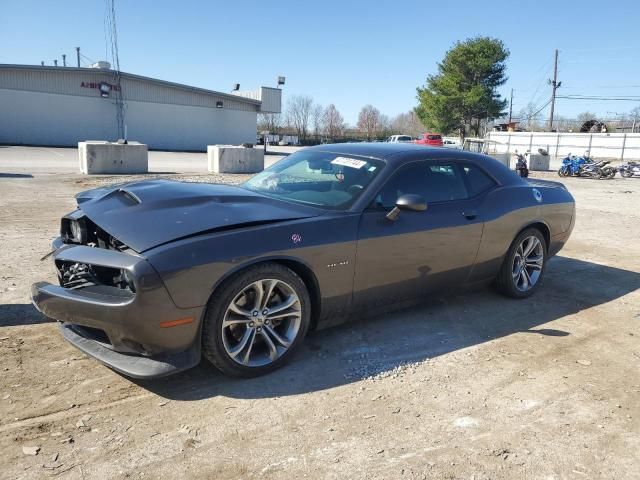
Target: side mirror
{"points": [[408, 201]]}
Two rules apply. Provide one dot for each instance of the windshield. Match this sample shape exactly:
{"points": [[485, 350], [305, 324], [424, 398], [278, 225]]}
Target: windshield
{"points": [[323, 179]]}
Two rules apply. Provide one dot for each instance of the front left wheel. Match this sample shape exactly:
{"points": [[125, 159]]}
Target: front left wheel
{"points": [[256, 320]]}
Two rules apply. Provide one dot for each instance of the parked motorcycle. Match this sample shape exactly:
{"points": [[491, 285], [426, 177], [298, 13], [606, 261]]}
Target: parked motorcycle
{"points": [[600, 170], [571, 165], [629, 169], [607, 170], [522, 167], [585, 166]]}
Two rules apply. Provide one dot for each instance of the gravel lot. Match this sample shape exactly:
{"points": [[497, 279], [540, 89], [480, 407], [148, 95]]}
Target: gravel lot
{"points": [[473, 386]]}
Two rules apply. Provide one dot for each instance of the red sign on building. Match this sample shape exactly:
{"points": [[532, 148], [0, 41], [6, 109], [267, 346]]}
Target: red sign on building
{"points": [[115, 88]]}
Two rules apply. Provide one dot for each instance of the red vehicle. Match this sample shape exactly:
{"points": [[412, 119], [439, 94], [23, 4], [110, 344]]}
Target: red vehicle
{"points": [[431, 139]]}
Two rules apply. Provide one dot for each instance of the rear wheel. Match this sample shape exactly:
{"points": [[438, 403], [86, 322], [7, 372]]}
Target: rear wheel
{"points": [[256, 321], [524, 264]]}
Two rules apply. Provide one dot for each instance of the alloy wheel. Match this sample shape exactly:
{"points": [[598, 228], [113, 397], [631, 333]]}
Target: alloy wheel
{"points": [[261, 322], [527, 263]]}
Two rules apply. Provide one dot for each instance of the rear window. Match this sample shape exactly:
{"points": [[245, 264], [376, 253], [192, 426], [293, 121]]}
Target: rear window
{"points": [[478, 181], [434, 137]]}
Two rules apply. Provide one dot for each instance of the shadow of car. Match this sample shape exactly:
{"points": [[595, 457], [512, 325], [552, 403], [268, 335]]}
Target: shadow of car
{"points": [[370, 347]]}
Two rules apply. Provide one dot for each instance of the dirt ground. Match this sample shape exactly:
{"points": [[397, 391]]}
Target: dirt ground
{"points": [[473, 386]]}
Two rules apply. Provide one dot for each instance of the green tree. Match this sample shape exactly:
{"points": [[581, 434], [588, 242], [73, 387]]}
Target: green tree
{"points": [[464, 91]]}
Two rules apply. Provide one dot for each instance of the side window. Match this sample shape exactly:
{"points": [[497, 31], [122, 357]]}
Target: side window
{"points": [[445, 183], [478, 182], [436, 182]]}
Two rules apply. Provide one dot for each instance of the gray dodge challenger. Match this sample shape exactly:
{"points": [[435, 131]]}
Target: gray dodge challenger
{"points": [[155, 274]]}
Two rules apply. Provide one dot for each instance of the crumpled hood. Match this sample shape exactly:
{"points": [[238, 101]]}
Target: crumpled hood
{"points": [[146, 214]]}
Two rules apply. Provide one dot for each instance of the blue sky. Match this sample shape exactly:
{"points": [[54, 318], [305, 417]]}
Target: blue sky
{"points": [[349, 53]]}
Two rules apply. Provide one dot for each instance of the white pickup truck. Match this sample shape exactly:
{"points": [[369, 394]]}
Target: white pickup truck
{"points": [[400, 139]]}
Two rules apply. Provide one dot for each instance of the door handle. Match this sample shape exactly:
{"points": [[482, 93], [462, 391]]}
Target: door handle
{"points": [[470, 214]]}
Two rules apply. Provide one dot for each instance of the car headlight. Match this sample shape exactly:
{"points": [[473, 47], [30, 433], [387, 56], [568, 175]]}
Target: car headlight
{"points": [[78, 231]]}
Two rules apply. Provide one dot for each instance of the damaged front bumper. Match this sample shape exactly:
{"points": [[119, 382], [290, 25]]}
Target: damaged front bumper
{"points": [[139, 331]]}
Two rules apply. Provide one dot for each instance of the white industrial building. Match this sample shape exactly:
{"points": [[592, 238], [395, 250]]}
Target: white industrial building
{"points": [[61, 106]]}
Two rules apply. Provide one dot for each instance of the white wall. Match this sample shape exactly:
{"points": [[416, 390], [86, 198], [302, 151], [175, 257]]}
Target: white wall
{"points": [[621, 146], [35, 118], [178, 127]]}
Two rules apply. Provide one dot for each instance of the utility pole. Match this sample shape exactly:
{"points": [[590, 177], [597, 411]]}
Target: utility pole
{"points": [[78, 55], [511, 106], [554, 86], [64, 60]]}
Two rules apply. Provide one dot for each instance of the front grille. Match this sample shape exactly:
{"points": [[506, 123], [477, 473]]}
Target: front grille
{"points": [[76, 275]]}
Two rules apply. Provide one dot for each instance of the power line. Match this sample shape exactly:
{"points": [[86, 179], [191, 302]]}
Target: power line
{"points": [[534, 114], [534, 98], [89, 60], [635, 98], [573, 87], [541, 108], [544, 69], [628, 47]]}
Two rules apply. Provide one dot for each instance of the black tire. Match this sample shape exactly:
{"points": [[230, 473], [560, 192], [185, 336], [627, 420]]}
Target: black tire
{"points": [[626, 173], [213, 346], [504, 281], [563, 172]]}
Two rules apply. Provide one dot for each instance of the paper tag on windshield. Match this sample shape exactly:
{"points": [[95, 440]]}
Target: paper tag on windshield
{"points": [[349, 162]]}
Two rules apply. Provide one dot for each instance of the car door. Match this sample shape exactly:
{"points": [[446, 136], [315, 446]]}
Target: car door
{"points": [[420, 252]]}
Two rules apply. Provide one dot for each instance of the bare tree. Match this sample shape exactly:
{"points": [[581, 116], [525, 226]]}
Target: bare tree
{"points": [[270, 122], [563, 124], [408, 124], [299, 108], [369, 120], [529, 118], [634, 117], [332, 122], [586, 116], [316, 117], [384, 126]]}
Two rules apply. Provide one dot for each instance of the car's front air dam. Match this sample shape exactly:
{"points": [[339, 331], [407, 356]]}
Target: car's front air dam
{"points": [[168, 349], [135, 366], [144, 333]]}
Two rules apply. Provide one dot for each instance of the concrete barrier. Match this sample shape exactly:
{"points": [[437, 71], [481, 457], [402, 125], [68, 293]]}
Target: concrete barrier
{"points": [[99, 157], [234, 159], [539, 163]]}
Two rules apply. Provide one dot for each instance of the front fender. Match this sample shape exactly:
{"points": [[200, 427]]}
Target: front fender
{"points": [[193, 268]]}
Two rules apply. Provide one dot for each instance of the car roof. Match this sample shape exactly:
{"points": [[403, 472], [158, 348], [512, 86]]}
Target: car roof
{"points": [[379, 150], [396, 154]]}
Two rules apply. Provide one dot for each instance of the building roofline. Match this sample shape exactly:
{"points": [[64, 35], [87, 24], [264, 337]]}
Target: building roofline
{"points": [[134, 77]]}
